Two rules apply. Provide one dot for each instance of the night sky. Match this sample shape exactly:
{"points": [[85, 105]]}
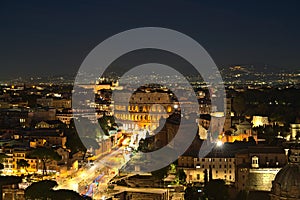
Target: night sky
{"points": [[53, 37]]}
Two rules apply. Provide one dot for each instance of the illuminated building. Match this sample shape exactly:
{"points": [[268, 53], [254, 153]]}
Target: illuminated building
{"points": [[13, 156], [145, 110], [39, 114], [65, 116], [14, 118], [259, 121], [49, 136], [221, 168], [257, 166], [55, 103], [19, 155], [13, 192], [295, 129]]}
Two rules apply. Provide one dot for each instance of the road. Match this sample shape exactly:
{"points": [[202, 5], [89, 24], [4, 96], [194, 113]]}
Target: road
{"points": [[105, 168]]}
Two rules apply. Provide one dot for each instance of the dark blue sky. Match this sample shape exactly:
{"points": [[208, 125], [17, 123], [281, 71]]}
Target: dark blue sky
{"points": [[53, 37]]}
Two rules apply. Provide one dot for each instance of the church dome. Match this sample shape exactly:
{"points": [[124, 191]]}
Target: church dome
{"points": [[288, 177], [287, 182]]}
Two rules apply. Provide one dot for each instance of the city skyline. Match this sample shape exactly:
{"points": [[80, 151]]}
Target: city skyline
{"points": [[156, 100]]}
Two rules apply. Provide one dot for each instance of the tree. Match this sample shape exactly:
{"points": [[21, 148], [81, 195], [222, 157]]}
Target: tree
{"points": [[239, 105], [216, 185], [161, 173], [105, 123], [181, 176], [173, 168], [297, 137], [45, 155], [191, 193], [242, 195], [40, 190], [23, 164], [67, 195], [210, 174], [74, 142], [2, 158], [43, 190]]}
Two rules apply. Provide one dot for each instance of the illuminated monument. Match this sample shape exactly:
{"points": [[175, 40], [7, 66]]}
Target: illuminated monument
{"points": [[146, 108]]}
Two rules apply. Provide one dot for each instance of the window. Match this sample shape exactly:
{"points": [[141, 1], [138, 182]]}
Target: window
{"points": [[225, 171], [225, 166], [229, 166], [220, 167], [198, 176], [230, 177]]}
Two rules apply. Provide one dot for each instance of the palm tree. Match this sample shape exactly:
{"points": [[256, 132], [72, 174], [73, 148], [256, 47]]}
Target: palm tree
{"points": [[23, 164], [2, 158], [45, 155]]}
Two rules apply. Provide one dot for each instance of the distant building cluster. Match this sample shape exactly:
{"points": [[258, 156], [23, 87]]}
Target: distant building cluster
{"points": [[253, 150]]}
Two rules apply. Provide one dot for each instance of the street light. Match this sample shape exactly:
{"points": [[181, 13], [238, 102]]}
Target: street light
{"points": [[219, 143]]}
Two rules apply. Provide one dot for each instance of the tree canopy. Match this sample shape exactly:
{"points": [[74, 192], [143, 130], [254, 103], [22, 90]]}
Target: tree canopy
{"points": [[23, 164], [2, 157], [45, 155], [216, 185], [44, 190]]}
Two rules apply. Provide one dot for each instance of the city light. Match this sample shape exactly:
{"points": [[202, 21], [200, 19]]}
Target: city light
{"points": [[148, 114], [219, 143]]}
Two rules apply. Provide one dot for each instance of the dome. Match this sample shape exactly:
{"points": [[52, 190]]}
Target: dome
{"points": [[288, 177], [287, 182]]}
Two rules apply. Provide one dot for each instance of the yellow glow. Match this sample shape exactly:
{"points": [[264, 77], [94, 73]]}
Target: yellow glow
{"points": [[219, 143], [259, 121], [169, 109], [217, 114], [126, 142]]}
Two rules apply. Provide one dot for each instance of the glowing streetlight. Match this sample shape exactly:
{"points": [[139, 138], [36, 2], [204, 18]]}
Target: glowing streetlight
{"points": [[219, 143]]}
